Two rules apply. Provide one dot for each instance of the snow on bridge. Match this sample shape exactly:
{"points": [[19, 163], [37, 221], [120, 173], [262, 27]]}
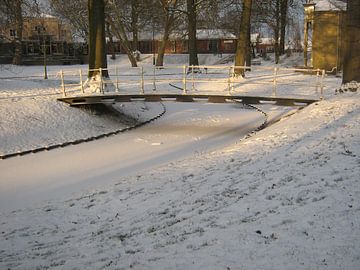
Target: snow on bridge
{"points": [[214, 84]]}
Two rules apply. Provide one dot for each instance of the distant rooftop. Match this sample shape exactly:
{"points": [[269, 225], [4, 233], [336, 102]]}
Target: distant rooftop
{"points": [[328, 5]]}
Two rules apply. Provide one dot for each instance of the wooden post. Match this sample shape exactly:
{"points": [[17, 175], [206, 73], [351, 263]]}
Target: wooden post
{"points": [[192, 79], [101, 81], [62, 83], [322, 84], [275, 76], [229, 81], [184, 80], [117, 78], [154, 78], [142, 80], [317, 81], [232, 79], [81, 82]]}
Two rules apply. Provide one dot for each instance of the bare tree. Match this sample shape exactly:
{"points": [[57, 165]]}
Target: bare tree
{"points": [[284, 4], [243, 43], [13, 9], [352, 42], [117, 24], [75, 12], [170, 15], [191, 7]]}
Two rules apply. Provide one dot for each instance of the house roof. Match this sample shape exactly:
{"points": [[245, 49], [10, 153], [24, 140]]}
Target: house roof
{"points": [[329, 5], [201, 34]]}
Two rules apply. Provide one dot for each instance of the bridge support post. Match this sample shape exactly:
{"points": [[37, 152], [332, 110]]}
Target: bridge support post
{"points": [[117, 78], [154, 78], [322, 84], [81, 82], [101, 81], [317, 82], [229, 82], [192, 79], [62, 83], [184, 80], [275, 82], [142, 81]]}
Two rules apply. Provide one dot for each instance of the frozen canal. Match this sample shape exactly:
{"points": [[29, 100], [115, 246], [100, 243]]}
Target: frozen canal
{"points": [[185, 129]]}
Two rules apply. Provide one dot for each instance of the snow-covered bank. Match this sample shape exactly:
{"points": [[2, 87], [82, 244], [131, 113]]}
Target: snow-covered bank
{"points": [[286, 198]]}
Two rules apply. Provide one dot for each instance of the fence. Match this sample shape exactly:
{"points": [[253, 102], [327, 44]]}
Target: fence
{"points": [[268, 81]]}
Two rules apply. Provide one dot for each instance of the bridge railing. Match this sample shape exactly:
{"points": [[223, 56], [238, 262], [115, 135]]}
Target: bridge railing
{"points": [[268, 81]]}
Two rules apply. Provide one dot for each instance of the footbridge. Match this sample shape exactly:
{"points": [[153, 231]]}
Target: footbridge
{"points": [[213, 84]]}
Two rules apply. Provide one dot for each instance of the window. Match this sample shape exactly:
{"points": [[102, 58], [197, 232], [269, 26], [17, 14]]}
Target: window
{"points": [[13, 33], [40, 29]]}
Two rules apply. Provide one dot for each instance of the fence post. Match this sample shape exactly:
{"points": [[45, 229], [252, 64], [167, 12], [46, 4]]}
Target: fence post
{"points": [[81, 82], [192, 79], [322, 84], [117, 78], [232, 79], [62, 83], [229, 81], [275, 77], [142, 80], [101, 81], [184, 80], [317, 81], [154, 78]]}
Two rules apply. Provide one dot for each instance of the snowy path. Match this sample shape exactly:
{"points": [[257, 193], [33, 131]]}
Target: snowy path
{"points": [[184, 130]]}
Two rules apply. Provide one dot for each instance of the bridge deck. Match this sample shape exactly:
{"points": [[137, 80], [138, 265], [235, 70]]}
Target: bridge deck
{"points": [[111, 98]]}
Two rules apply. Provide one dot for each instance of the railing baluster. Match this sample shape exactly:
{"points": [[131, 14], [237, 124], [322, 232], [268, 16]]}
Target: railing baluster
{"points": [[275, 81], [142, 80], [322, 84], [184, 80], [101, 81], [154, 78], [117, 78], [81, 82], [62, 83]]}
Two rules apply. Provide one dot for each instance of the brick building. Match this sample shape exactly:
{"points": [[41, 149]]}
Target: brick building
{"points": [[323, 34]]}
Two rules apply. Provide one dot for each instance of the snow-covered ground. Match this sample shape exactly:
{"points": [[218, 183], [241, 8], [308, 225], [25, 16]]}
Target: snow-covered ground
{"points": [[287, 197]]}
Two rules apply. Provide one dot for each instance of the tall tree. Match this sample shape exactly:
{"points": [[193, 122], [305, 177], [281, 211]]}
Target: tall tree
{"points": [[97, 44], [13, 9], [243, 42], [169, 16], [352, 42], [283, 23], [135, 24], [74, 12], [191, 6], [118, 29]]}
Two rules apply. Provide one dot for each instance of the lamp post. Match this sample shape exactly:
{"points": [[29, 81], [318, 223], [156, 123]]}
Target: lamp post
{"points": [[45, 64], [42, 34]]}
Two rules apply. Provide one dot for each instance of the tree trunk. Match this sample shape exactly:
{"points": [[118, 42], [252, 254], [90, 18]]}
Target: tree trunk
{"points": [[243, 40], [111, 43], [19, 29], [352, 43], [97, 44], [277, 32], [191, 14], [248, 52], [283, 23], [134, 25], [162, 46], [120, 33]]}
